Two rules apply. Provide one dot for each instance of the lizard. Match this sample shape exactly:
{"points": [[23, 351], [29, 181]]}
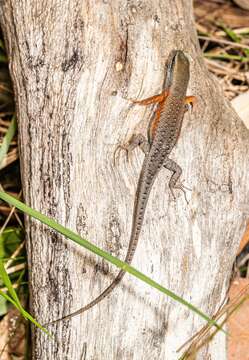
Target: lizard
{"points": [[163, 132]]}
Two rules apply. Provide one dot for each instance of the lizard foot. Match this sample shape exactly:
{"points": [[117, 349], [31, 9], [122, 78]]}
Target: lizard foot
{"points": [[137, 140], [181, 187], [117, 152]]}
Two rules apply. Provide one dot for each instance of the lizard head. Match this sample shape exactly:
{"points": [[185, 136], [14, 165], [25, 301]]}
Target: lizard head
{"points": [[177, 68]]}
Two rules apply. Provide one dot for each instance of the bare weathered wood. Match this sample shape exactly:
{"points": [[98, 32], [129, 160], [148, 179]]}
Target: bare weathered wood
{"points": [[72, 62]]}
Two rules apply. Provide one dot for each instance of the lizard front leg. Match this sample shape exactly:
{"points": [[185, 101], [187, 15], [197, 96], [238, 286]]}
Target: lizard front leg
{"points": [[137, 140], [151, 100]]}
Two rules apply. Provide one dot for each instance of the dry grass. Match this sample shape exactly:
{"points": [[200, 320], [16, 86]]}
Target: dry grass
{"points": [[223, 31]]}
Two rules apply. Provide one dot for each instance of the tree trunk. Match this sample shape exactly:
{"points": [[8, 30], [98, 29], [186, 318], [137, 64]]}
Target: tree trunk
{"points": [[72, 64]]}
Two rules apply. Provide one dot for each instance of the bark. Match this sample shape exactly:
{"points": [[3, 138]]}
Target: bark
{"points": [[72, 62]]}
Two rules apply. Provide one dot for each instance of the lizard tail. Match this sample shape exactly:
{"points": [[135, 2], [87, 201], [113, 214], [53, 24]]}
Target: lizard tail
{"points": [[108, 290], [141, 198]]}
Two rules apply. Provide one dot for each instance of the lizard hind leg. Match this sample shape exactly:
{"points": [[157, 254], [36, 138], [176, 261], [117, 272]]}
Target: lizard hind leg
{"points": [[135, 141], [174, 182]]}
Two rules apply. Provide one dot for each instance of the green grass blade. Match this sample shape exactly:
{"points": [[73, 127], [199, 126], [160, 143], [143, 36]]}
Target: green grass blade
{"points": [[226, 57], [30, 318], [3, 306], [231, 34], [89, 246], [8, 298], [24, 313], [7, 139], [13, 298], [7, 283]]}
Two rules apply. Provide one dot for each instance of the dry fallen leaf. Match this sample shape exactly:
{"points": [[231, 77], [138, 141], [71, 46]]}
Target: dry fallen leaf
{"points": [[238, 325]]}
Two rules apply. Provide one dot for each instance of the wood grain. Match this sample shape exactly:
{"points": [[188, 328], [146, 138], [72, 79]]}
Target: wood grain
{"points": [[72, 64]]}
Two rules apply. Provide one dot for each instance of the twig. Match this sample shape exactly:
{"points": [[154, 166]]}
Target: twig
{"points": [[221, 41]]}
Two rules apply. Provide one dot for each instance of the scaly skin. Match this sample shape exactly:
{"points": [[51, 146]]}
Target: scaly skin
{"points": [[163, 133]]}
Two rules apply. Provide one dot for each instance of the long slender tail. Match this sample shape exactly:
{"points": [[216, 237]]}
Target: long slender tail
{"points": [[106, 292], [142, 195]]}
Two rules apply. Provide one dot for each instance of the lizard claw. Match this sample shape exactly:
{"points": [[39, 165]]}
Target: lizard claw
{"points": [[117, 151], [131, 101], [189, 107], [181, 187]]}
